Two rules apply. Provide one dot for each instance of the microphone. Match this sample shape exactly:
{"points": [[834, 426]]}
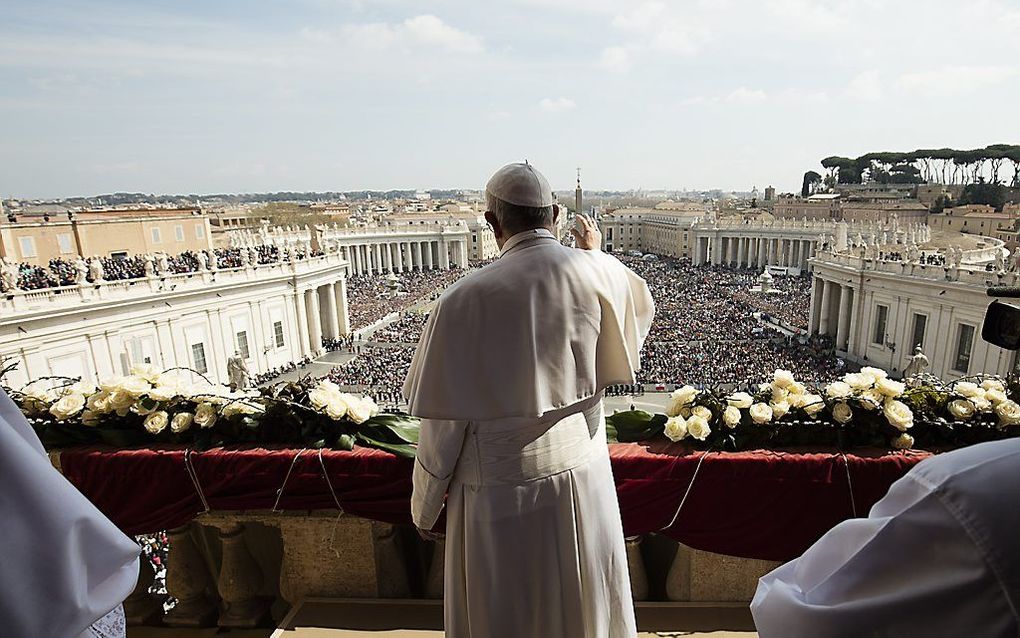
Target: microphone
{"points": [[1011, 292]]}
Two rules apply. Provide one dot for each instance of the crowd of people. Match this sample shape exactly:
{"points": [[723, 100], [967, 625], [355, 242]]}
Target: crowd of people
{"points": [[277, 371], [372, 297], [407, 329], [62, 272], [382, 369]]}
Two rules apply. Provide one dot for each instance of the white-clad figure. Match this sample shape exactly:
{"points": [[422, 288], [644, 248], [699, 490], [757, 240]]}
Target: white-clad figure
{"points": [[65, 568], [937, 556], [508, 379]]}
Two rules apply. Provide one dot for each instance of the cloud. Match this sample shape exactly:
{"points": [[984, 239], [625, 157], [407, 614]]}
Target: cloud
{"points": [[498, 115], [556, 105], [744, 95], [953, 80], [866, 85], [616, 59], [659, 27], [425, 30]]}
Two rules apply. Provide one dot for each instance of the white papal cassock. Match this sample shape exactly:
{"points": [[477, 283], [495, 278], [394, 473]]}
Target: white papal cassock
{"points": [[937, 556], [508, 380]]}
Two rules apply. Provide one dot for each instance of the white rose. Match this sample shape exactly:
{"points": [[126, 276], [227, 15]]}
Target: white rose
{"points": [[961, 409], [701, 411], [320, 397], [780, 395], [858, 381], [361, 409], [136, 386], [205, 415], [782, 379], [99, 402], [841, 412], [982, 403], [741, 400], [679, 398], [337, 407], [156, 422], [898, 414], [838, 390], [67, 406], [966, 389], [764, 387], [812, 404], [760, 413], [146, 371], [241, 407], [890, 388], [90, 418], [170, 388], [875, 373], [698, 428], [903, 442], [779, 408], [42, 395], [995, 397], [82, 387], [1008, 412], [993, 384], [872, 399], [139, 408], [676, 428], [731, 416], [796, 389], [181, 422]]}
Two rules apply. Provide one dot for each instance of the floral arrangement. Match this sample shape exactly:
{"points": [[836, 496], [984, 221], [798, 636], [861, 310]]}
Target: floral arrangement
{"points": [[863, 409], [149, 406]]}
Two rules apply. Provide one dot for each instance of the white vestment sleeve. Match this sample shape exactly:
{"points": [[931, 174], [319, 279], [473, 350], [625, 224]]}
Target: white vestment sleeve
{"points": [[888, 574], [439, 445]]}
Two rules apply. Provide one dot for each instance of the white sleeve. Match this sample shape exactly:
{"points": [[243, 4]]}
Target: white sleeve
{"points": [[439, 445], [908, 569]]}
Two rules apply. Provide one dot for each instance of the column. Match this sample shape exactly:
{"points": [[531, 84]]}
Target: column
{"points": [[463, 254], [417, 255], [302, 322], [444, 255], [843, 322], [716, 250], [387, 262], [851, 345], [741, 251], [823, 318], [398, 264], [314, 325], [378, 258], [428, 255], [816, 305], [343, 316], [332, 320]]}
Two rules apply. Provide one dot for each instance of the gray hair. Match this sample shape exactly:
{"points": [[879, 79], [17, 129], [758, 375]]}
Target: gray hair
{"points": [[514, 218]]}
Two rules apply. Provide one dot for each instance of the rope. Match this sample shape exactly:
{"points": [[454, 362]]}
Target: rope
{"points": [[193, 475], [329, 483], [279, 492], [849, 484], [683, 500]]}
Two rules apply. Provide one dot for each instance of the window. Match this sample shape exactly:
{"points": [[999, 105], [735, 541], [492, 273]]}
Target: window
{"points": [[242, 344], [119, 254], [278, 333], [199, 231], [881, 318], [920, 323], [65, 243], [156, 238], [179, 232], [964, 345], [198, 357], [27, 246]]}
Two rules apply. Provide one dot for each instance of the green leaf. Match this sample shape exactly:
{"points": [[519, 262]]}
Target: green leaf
{"points": [[345, 442], [636, 425], [400, 449]]}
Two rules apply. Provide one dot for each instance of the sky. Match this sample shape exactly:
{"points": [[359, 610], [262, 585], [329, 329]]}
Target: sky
{"points": [[250, 96]]}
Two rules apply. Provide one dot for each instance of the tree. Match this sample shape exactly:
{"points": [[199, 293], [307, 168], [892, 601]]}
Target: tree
{"points": [[810, 183], [982, 192]]}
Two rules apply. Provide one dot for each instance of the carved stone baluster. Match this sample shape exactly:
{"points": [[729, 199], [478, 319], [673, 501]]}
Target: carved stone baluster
{"points": [[678, 579], [141, 607], [188, 580], [240, 582], [636, 567]]}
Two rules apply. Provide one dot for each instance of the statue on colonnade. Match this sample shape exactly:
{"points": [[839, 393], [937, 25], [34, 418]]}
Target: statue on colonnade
{"points": [[237, 371], [96, 269], [916, 367], [9, 272], [81, 270]]}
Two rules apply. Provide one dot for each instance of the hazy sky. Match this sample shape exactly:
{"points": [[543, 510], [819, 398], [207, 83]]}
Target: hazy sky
{"points": [[241, 96]]}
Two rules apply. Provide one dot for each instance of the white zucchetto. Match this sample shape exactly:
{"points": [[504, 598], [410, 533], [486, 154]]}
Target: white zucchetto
{"points": [[521, 185]]}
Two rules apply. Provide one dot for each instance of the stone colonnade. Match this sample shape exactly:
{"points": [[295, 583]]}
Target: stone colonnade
{"points": [[321, 312], [834, 312], [755, 251], [401, 255]]}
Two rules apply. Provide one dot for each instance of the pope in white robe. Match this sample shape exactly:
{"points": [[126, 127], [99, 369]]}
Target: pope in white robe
{"points": [[508, 381], [937, 556]]}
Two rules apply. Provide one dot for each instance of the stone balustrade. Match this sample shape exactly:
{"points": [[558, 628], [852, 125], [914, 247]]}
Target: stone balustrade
{"points": [[246, 569]]}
